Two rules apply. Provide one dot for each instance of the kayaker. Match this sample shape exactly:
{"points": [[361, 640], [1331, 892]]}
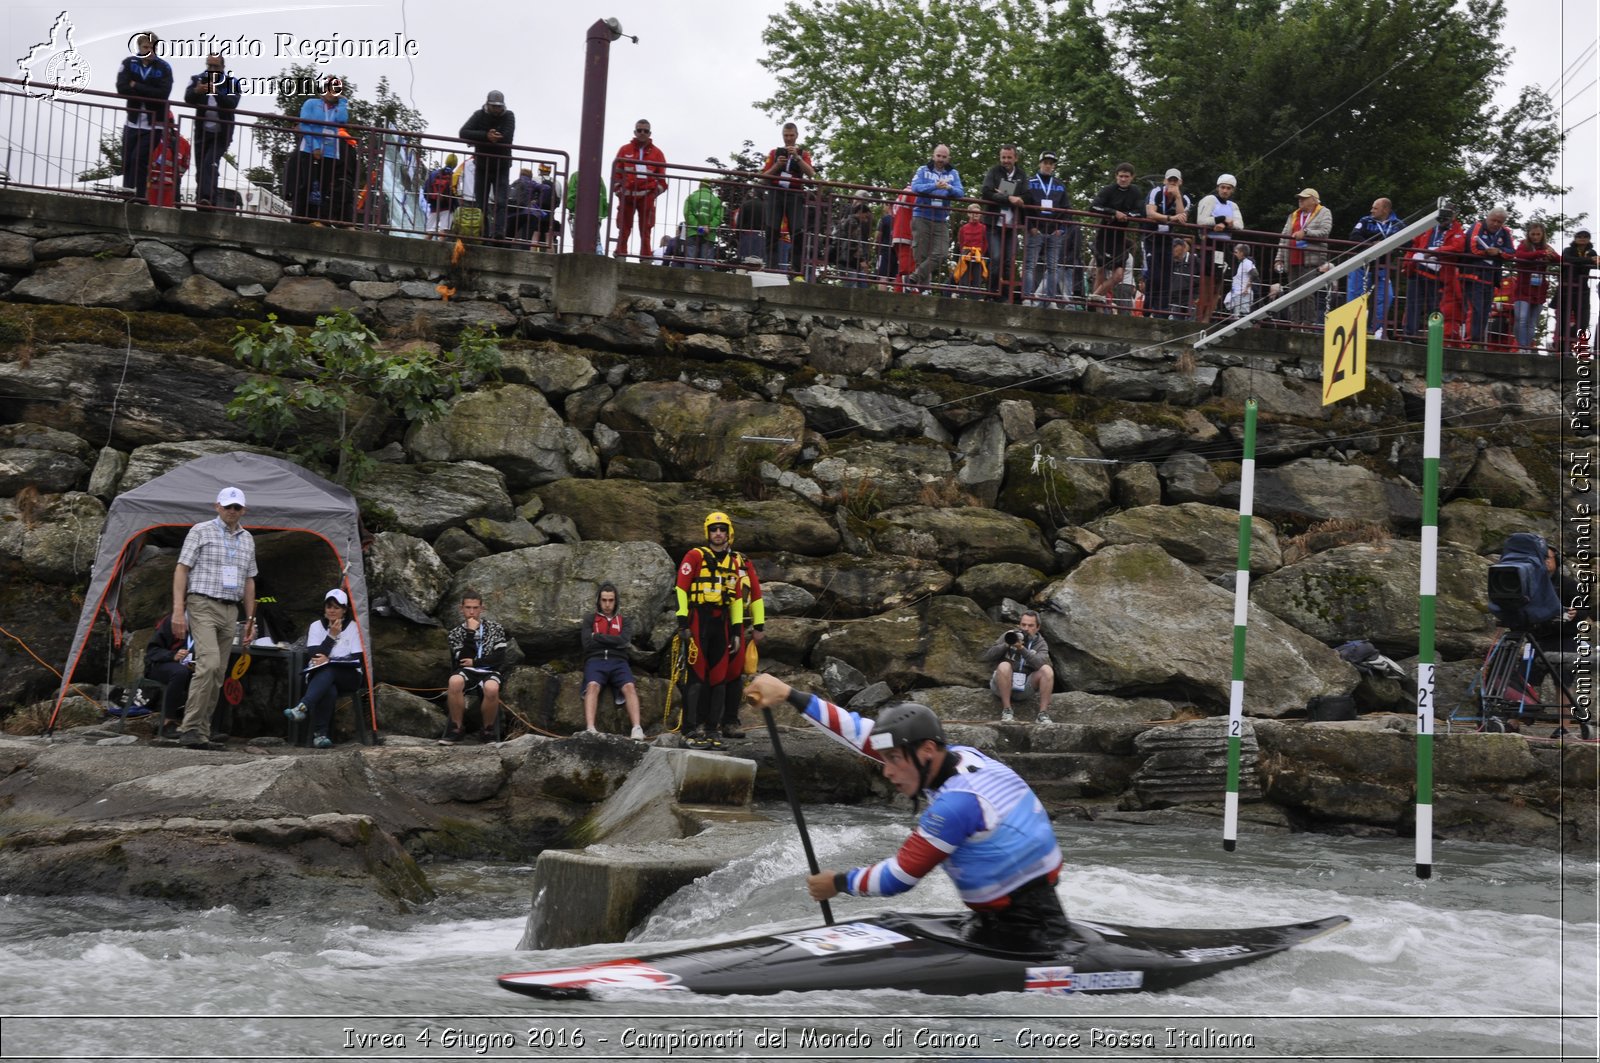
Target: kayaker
{"points": [[983, 823]]}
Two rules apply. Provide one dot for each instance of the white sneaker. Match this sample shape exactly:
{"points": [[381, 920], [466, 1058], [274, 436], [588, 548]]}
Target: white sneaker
{"points": [[1006, 716], [590, 731], [1377, 334], [1044, 717], [637, 735]]}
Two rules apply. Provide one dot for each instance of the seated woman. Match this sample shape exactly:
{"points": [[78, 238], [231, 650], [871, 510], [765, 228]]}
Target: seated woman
{"points": [[170, 662], [335, 648]]}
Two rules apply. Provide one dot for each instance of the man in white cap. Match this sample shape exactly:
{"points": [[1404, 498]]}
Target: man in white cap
{"points": [[1168, 208], [1218, 217], [1303, 253], [216, 572]]}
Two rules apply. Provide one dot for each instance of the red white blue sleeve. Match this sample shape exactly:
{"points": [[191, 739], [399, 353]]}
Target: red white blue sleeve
{"points": [[949, 821], [842, 725]]}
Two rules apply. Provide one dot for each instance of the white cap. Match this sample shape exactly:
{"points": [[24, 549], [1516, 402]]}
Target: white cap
{"points": [[337, 595], [230, 496], [1174, 172], [1228, 179]]}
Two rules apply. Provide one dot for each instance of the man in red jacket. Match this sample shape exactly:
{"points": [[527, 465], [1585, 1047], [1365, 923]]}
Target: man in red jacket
{"points": [[638, 176]]}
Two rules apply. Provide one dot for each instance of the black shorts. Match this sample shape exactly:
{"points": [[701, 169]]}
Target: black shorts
{"points": [[1110, 247]]}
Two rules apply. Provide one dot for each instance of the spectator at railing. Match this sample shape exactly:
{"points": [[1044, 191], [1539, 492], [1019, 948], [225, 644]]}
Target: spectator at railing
{"points": [[547, 200], [1303, 254], [1046, 205], [750, 222], [1218, 217], [1571, 309], [904, 211], [639, 177], [214, 94], [703, 212], [440, 194], [851, 250], [1121, 203], [1534, 260], [522, 199], [1241, 295], [1180, 278], [146, 80], [492, 129], [1004, 192], [1429, 268], [1167, 207], [972, 268], [572, 201], [786, 168], [1374, 276], [314, 165], [935, 183], [886, 255], [1488, 248]]}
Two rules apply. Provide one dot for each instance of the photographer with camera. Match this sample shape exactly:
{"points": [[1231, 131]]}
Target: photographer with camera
{"points": [[215, 96], [1024, 667], [1530, 594], [787, 166]]}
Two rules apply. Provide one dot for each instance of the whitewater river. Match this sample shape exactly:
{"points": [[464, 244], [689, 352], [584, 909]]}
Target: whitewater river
{"points": [[1494, 958]]}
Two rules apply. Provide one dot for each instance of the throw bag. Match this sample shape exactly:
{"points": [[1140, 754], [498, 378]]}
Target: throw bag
{"points": [[1521, 594]]}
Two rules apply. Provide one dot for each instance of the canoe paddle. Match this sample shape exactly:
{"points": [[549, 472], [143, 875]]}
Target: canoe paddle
{"points": [[794, 804]]}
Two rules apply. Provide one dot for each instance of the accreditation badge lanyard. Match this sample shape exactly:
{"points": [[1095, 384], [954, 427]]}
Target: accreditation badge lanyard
{"points": [[230, 553]]}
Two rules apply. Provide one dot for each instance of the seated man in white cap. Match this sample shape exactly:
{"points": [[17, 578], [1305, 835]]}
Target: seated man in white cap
{"points": [[216, 572], [334, 646]]}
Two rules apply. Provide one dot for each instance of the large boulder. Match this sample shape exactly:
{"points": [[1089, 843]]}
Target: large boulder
{"points": [[1131, 618], [160, 397], [847, 586], [874, 414], [961, 537], [200, 296], [236, 268], [1276, 394], [47, 471], [673, 515], [993, 366], [1481, 528], [982, 449], [1369, 591], [1500, 478], [879, 474], [1188, 478], [52, 539], [936, 642], [405, 565], [121, 283], [1056, 480], [428, 498], [1206, 538], [1315, 489], [852, 351], [510, 427], [556, 371], [696, 435], [542, 594]]}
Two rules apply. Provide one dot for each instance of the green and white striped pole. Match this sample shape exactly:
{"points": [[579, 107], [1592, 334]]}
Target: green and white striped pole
{"points": [[1432, 417], [1241, 615]]}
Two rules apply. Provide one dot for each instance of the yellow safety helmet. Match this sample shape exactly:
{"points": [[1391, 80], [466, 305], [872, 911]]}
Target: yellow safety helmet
{"points": [[719, 517]]}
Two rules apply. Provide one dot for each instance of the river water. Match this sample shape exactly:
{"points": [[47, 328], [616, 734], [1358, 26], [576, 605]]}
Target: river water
{"points": [[1495, 957]]}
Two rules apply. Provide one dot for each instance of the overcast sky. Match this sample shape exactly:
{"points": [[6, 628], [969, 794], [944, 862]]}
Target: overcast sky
{"points": [[695, 73]]}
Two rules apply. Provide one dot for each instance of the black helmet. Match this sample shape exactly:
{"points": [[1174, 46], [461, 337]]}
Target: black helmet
{"points": [[905, 724]]}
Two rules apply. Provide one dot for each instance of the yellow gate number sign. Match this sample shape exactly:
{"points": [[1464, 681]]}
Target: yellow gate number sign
{"points": [[1344, 351]]}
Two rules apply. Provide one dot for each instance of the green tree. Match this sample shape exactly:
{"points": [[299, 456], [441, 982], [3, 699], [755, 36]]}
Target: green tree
{"points": [[1357, 98], [879, 82], [110, 163], [328, 369]]}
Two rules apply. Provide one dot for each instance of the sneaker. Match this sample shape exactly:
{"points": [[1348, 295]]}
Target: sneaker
{"points": [[617, 698], [714, 741], [452, 736], [296, 713], [731, 731], [322, 742], [637, 734], [1006, 716], [696, 740], [487, 736], [1044, 717]]}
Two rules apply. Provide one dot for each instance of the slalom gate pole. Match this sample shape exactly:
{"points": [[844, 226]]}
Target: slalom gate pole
{"points": [[1241, 616], [794, 804], [1433, 407]]}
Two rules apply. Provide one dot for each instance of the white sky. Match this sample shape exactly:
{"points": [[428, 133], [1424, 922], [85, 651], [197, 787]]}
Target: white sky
{"points": [[694, 73]]}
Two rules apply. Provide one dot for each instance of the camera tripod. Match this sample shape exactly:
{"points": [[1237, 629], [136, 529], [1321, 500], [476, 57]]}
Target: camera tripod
{"points": [[1507, 697]]}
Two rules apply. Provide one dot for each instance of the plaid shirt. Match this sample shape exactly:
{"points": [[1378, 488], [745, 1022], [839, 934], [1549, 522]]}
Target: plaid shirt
{"points": [[208, 549]]}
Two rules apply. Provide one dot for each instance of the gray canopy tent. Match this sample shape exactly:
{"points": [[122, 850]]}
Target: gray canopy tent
{"points": [[282, 497]]}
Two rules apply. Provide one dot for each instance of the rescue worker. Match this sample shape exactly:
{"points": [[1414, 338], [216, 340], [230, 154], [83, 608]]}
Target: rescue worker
{"points": [[755, 618], [711, 619], [982, 822]]}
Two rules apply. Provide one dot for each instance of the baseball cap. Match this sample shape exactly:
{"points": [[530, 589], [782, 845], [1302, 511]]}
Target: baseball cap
{"points": [[230, 496], [496, 96], [1309, 193], [1048, 156], [337, 595], [1174, 172], [1228, 179], [545, 167]]}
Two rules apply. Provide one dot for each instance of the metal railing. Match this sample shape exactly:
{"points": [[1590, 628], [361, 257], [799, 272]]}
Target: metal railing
{"points": [[253, 164]]}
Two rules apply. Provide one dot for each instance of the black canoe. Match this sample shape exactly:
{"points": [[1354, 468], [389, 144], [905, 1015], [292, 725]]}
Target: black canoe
{"points": [[926, 953]]}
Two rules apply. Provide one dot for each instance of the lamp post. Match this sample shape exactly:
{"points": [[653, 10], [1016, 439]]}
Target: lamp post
{"points": [[596, 68]]}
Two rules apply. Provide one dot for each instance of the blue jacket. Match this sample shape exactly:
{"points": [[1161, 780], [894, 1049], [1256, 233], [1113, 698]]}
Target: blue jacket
{"points": [[147, 83], [320, 124], [933, 201], [1041, 188]]}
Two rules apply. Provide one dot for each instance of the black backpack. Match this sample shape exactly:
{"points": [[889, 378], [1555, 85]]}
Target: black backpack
{"points": [[1521, 593]]}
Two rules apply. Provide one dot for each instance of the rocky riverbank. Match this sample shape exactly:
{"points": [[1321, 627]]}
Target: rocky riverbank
{"points": [[907, 474]]}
